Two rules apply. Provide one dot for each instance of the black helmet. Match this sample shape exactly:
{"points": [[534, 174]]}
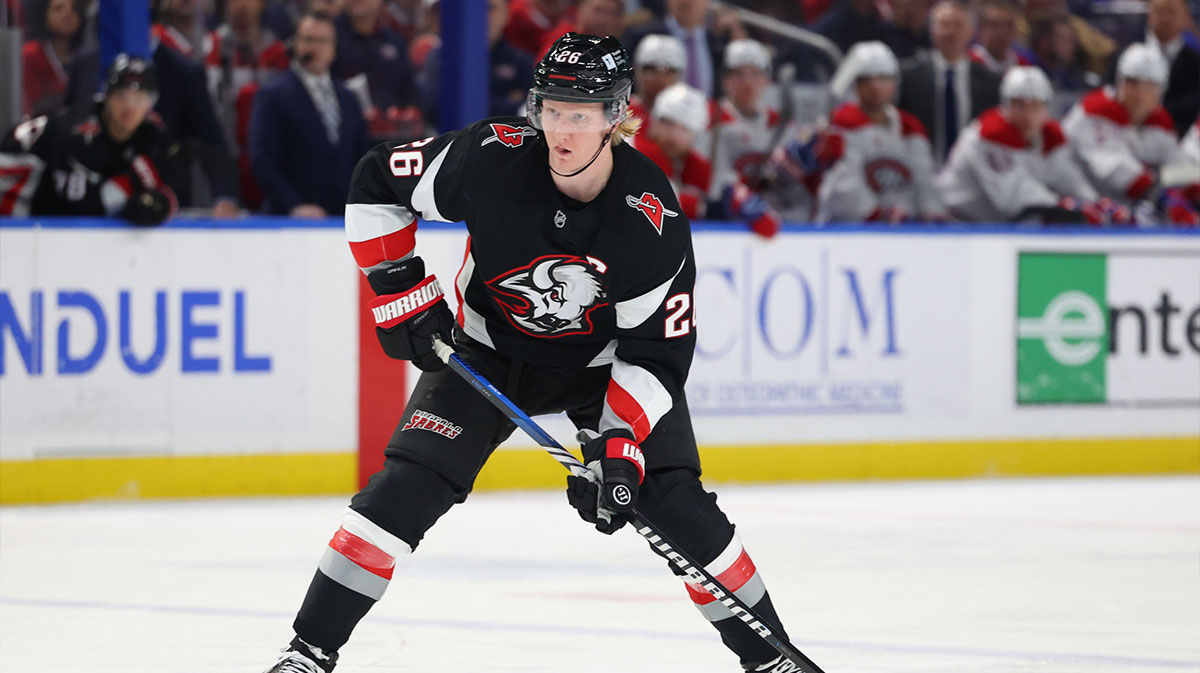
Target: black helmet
{"points": [[583, 69], [131, 72]]}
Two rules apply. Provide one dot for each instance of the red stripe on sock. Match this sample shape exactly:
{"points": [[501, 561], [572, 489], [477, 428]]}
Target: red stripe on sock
{"points": [[734, 578], [366, 555]]}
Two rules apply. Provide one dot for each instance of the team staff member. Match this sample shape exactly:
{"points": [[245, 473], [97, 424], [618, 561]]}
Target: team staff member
{"points": [[575, 295]]}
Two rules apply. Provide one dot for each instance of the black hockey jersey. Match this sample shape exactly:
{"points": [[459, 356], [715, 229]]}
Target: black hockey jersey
{"points": [[69, 165], [546, 279]]}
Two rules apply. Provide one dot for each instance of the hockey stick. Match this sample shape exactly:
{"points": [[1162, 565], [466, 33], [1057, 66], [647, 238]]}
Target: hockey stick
{"points": [[679, 558]]}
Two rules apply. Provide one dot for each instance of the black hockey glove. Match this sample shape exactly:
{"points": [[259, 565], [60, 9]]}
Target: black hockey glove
{"points": [[147, 207], [608, 491], [408, 312]]}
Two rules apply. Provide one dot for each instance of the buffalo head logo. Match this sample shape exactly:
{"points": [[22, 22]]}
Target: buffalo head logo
{"points": [[552, 296]]}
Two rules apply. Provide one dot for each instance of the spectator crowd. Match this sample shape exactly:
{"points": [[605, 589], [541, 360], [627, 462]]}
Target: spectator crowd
{"points": [[1052, 111]]}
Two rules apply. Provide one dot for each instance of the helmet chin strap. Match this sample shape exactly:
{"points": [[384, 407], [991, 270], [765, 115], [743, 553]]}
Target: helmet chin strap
{"points": [[590, 161]]}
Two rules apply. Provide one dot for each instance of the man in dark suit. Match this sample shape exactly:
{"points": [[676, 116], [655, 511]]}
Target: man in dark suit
{"points": [[688, 20], [946, 90], [1166, 21], [306, 131]]}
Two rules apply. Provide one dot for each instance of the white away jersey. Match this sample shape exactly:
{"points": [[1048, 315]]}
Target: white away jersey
{"points": [[880, 168], [1120, 158], [994, 175], [736, 145]]}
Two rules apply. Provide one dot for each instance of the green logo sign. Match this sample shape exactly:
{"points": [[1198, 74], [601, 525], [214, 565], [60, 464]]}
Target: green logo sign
{"points": [[1062, 328]]}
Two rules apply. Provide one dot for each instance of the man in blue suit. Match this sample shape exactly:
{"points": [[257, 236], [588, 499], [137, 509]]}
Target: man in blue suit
{"points": [[307, 132]]}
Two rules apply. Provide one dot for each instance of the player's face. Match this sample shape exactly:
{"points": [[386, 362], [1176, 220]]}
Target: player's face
{"points": [[573, 132], [1139, 96], [675, 140], [652, 79], [745, 85], [1028, 115], [875, 92], [127, 109]]}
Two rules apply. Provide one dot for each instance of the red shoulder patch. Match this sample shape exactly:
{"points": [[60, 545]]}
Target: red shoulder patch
{"points": [[911, 126], [653, 152], [697, 171], [830, 148], [1052, 136], [993, 127], [849, 116], [1099, 104], [1161, 119], [717, 111]]}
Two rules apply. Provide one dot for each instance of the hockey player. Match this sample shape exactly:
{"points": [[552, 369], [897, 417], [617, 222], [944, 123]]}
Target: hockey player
{"points": [[885, 169], [657, 64], [112, 160], [575, 295], [1013, 163], [680, 115], [743, 126], [1122, 135]]}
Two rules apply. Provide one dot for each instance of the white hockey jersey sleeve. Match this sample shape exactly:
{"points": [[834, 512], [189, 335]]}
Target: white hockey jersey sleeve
{"points": [[844, 195], [1009, 188], [928, 198], [1065, 177]]}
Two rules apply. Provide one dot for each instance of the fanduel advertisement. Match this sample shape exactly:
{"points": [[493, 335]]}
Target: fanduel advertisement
{"points": [[1117, 328], [119, 342]]}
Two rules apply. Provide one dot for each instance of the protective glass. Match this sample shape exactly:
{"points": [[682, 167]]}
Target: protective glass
{"points": [[557, 116]]}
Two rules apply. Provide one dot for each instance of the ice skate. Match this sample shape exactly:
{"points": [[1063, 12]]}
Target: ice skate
{"points": [[300, 657]]}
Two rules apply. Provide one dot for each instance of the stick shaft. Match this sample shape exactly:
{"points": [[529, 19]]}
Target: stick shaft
{"points": [[695, 572]]}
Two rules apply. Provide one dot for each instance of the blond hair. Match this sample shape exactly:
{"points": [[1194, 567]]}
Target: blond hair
{"points": [[626, 129]]}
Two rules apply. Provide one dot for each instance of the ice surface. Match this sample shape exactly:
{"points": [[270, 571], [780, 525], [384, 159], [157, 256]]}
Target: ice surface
{"points": [[1002, 576]]}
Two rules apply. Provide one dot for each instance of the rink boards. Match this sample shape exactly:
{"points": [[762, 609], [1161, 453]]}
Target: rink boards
{"points": [[223, 359]]}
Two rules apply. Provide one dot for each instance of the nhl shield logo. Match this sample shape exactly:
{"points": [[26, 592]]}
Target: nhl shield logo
{"points": [[652, 207], [509, 136], [560, 219]]}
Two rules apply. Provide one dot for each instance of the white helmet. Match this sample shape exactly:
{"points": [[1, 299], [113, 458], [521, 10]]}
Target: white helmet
{"points": [[865, 59], [747, 52], [664, 51], [1142, 61], [1025, 82], [873, 59], [683, 105]]}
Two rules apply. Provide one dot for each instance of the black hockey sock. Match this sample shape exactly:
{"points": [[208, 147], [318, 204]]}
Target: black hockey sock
{"points": [[329, 613], [748, 645]]}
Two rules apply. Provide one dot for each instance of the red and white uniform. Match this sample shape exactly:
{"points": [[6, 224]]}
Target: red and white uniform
{"points": [[994, 174], [984, 57], [881, 169], [737, 146], [691, 177], [1119, 157]]}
